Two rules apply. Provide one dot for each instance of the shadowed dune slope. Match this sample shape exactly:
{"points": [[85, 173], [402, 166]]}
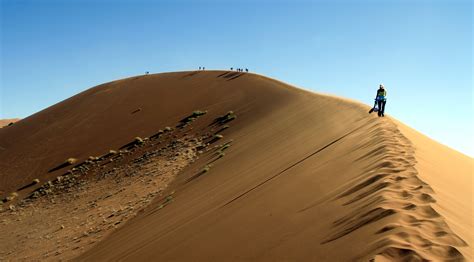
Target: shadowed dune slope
{"points": [[307, 177]]}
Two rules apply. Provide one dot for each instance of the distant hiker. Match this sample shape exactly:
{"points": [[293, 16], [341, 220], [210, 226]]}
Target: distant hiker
{"points": [[203, 68], [381, 99], [231, 68], [246, 70], [146, 73], [199, 68]]}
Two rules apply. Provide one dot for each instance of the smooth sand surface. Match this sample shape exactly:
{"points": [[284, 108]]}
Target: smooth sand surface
{"points": [[307, 177]]}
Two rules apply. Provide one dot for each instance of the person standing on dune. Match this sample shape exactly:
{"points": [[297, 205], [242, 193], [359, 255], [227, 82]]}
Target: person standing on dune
{"points": [[381, 99]]}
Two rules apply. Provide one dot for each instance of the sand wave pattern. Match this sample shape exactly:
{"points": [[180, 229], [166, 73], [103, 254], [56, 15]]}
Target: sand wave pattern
{"points": [[392, 196]]}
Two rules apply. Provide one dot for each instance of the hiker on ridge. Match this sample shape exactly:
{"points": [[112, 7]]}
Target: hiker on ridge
{"points": [[381, 99]]}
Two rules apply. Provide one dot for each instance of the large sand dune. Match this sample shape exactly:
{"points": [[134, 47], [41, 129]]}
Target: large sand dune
{"points": [[304, 177]]}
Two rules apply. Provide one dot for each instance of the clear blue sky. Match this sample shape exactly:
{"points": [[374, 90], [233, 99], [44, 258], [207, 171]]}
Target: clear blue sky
{"points": [[421, 51]]}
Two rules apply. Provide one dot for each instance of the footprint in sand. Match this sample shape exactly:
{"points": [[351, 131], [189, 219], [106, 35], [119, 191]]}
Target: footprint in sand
{"points": [[440, 233], [426, 198], [399, 178], [410, 207], [387, 228], [406, 194], [429, 212]]}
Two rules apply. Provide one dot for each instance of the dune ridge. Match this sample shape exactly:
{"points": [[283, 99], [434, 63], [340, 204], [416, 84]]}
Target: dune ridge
{"points": [[306, 176], [392, 189]]}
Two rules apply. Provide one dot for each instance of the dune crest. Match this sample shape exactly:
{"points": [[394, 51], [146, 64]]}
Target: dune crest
{"points": [[282, 173]]}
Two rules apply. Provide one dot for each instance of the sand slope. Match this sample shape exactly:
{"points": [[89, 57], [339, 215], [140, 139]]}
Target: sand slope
{"points": [[5, 122], [450, 175], [307, 177]]}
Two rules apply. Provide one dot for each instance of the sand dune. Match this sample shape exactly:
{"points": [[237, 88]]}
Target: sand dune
{"points": [[295, 176], [6, 122]]}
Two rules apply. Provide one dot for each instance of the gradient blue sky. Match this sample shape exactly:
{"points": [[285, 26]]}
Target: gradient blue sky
{"points": [[421, 51]]}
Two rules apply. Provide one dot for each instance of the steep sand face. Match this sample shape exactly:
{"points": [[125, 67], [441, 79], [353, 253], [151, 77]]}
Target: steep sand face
{"points": [[307, 177]]}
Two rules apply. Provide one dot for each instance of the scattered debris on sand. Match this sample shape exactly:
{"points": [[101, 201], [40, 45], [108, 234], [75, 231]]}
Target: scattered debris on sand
{"points": [[66, 216]]}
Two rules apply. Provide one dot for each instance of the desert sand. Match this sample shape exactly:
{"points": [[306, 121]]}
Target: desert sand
{"points": [[227, 166], [6, 122]]}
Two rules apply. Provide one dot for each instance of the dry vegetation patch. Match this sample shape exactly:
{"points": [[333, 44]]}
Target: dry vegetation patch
{"points": [[68, 215], [65, 216]]}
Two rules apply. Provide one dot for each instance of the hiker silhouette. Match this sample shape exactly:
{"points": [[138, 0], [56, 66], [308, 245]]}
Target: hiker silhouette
{"points": [[380, 101]]}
